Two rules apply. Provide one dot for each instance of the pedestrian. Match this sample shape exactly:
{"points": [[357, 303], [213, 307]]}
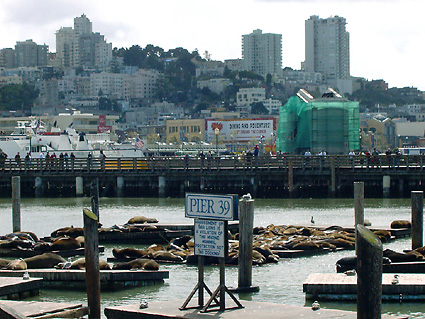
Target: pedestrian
{"points": [[18, 160], [102, 158]]}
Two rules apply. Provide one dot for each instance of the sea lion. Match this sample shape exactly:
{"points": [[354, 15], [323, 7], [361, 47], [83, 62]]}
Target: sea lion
{"points": [[46, 260], [400, 257], [80, 263], [397, 224], [68, 231], [166, 255], [129, 253], [4, 262], [306, 245], [268, 254], [350, 263], [383, 235], [65, 243], [17, 264], [141, 220], [139, 263], [180, 243]]}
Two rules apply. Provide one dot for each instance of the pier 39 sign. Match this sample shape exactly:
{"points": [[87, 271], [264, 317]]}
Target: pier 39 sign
{"points": [[211, 213]]}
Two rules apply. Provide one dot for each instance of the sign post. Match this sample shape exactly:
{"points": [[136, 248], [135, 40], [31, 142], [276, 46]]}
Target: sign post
{"points": [[211, 214]]}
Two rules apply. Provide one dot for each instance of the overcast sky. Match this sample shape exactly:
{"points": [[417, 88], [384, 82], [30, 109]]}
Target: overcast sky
{"points": [[387, 37]]}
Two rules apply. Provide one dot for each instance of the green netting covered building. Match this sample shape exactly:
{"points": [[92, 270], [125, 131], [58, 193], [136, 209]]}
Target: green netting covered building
{"points": [[329, 123]]}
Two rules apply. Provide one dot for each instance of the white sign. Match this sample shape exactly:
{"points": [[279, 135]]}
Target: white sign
{"points": [[210, 206], [209, 238], [240, 130]]}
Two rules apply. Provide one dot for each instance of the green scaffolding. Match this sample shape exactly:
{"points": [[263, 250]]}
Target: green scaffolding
{"points": [[323, 124]]}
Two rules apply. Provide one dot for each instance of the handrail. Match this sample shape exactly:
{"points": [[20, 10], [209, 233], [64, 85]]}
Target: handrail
{"points": [[173, 163]]}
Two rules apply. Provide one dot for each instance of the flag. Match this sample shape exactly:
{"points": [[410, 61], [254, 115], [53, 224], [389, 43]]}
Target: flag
{"points": [[139, 143]]}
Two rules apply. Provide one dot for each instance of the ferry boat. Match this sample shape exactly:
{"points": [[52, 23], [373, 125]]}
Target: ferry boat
{"points": [[31, 137]]}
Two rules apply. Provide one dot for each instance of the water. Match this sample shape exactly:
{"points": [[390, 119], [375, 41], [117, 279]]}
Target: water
{"points": [[279, 283]]}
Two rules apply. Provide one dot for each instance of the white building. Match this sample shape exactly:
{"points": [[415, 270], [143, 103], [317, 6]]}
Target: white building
{"points": [[215, 85], [262, 52], [246, 97], [327, 47], [272, 105]]}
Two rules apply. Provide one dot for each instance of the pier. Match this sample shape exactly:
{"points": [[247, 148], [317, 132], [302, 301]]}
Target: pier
{"points": [[109, 279], [254, 310], [262, 176], [337, 286]]}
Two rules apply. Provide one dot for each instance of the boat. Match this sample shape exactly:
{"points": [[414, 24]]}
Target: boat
{"points": [[31, 137]]}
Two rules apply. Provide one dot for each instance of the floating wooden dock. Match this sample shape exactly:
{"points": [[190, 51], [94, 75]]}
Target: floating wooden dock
{"points": [[35, 310], [25, 253], [411, 267], [251, 310], [18, 288], [337, 286], [109, 279]]}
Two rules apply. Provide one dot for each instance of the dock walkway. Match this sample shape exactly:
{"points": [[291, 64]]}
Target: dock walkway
{"points": [[252, 310], [337, 286]]}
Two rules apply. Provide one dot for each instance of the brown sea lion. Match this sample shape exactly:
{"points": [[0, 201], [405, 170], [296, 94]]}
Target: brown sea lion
{"points": [[4, 262], [139, 263], [166, 255], [397, 224], [46, 260], [17, 264], [400, 257], [81, 264], [306, 245], [383, 235], [65, 243], [129, 253], [141, 220], [68, 231]]}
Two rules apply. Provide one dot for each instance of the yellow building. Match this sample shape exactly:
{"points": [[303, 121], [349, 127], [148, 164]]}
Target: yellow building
{"points": [[186, 130]]}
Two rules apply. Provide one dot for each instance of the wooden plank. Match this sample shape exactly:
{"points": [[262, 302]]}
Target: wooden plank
{"points": [[32, 309], [25, 253]]}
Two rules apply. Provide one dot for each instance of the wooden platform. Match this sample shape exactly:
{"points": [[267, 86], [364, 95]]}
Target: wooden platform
{"points": [[109, 279], [17, 288], [339, 286], [32, 309], [251, 310], [411, 267], [126, 259], [25, 253], [296, 253]]}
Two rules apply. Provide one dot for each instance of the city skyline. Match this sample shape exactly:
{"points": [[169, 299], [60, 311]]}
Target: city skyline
{"points": [[386, 37]]}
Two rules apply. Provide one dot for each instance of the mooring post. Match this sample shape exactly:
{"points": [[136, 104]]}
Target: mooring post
{"points": [[386, 186], [16, 203], [369, 273], [91, 248], [79, 186], [358, 204], [94, 197], [290, 178], [246, 222], [333, 178], [417, 218]]}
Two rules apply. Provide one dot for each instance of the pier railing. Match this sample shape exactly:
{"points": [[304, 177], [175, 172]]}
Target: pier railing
{"points": [[172, 163]]}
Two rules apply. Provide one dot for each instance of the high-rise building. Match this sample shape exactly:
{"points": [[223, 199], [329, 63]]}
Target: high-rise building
{"points": [[7, 58], [327, 47], [29, 53], [65, 46], [80, 47], [262, 52]]}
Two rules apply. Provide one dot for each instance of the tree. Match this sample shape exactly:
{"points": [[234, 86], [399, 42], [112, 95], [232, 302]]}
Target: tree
{"points": [[259, 108], [17, 96]]}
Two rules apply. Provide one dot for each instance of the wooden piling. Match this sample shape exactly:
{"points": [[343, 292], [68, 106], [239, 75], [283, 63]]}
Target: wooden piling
{"points": [[369, 273], [16, 203], [91, 245], [290, 178], [358, 204], [246, 222], [417, 218]]}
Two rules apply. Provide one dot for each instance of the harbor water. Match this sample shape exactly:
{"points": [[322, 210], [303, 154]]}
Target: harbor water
{"points": [[279, 283]]}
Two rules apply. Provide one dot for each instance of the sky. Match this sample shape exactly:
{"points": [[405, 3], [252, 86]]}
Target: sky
{"points": [[387, 37]]}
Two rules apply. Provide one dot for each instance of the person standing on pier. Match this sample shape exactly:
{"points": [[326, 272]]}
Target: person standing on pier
{"points": [[102, 157], [18, 160]]}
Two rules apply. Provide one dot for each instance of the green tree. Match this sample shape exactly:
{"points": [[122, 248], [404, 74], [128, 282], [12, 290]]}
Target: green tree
{"points": [[17, 96], [259, 108]]}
